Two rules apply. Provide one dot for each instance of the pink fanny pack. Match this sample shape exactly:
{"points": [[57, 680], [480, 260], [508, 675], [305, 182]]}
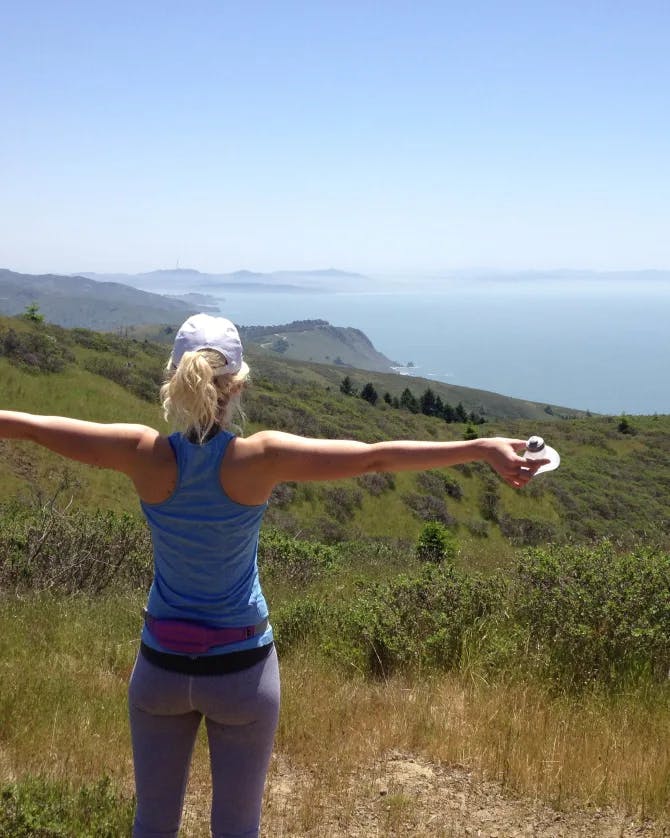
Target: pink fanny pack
{"points": [[194, 639]]}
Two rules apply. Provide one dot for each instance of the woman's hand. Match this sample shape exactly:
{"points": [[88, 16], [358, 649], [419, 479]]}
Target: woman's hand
{"points": [[501, 454]]}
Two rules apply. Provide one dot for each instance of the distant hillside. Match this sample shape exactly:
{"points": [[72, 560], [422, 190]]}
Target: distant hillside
{"points": [[318, 341], [81, 301], [182, 280], [308, 350], [614, 478]]}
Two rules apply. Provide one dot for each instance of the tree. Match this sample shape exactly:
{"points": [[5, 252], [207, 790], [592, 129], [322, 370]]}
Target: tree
{"points": [[387, 398], [448, 413], [461, 415], [33, 313], [470, 433], [369, 393], [436, 543], [347, 387], [428, 404], [625, 427], [408, 401]]}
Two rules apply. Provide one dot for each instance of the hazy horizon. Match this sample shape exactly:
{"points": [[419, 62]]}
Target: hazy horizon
{"points": [[226, 135]]}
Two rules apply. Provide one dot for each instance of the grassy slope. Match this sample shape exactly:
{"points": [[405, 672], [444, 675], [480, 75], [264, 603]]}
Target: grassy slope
{"points": [[609, 484], [59, 705]]}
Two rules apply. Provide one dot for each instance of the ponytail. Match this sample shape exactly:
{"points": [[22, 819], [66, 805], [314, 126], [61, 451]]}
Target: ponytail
{"points": [[197, 395]]}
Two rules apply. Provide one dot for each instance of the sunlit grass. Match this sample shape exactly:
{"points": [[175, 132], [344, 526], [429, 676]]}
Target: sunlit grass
{"points": [[65, 663]]}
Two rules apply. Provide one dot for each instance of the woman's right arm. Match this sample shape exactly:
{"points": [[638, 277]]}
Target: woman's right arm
{"points": [[275, 457]]}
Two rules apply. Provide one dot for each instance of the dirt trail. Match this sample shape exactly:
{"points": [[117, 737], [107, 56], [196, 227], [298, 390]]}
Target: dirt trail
{"points": [[407, 796]]}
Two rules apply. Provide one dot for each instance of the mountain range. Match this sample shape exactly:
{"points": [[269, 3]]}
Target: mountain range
{"points": [[186, 279]]}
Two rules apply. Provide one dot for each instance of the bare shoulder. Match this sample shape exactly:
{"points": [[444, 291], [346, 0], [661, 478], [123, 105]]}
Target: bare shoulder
{"points": [[252, 447], [244, 474], [154, 471]]}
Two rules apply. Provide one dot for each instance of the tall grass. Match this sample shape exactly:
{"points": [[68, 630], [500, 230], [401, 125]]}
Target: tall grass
{"points": [[65, 664]]}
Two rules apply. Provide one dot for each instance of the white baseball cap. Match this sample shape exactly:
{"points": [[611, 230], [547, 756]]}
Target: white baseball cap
{"points": [[202, 331]]}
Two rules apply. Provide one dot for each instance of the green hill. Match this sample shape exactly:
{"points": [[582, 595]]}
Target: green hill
{"points": [[80, 301], [614, 480]]}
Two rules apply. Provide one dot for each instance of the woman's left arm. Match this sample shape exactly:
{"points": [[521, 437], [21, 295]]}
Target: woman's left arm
{"points": [[114, 446]]}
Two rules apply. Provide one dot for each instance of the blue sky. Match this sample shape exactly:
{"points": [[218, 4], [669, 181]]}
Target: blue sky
{"points": [[374, 136]]}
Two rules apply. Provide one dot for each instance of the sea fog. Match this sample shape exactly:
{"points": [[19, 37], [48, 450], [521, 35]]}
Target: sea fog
{"points": [[595, 344]]}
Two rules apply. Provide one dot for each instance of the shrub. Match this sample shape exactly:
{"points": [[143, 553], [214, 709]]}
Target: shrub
{"points": [[438, 483], [289, 559], [625, 427], [47, 809], [527, 532], [36, 350], [428, 508], [478, 528], [327, 530], [72, 551], [283, 494], [592, 615], [297, 621], [431, 481], [376, 483], [143, 382], [342, 501], [420, 622], [436, 544], [489, 501]]}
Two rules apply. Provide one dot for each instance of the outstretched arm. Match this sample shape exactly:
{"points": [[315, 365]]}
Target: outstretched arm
{"points": [[108, 446], [277, 457]]}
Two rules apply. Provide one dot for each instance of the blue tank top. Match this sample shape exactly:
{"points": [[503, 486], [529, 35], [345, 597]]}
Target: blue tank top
{"points": [[205, 549]]}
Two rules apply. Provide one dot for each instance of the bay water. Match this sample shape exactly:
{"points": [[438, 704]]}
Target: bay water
{"points": [[595, 345]]}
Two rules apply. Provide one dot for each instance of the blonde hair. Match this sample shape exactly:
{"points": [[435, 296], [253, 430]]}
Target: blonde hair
{"points": [[197, 396]]}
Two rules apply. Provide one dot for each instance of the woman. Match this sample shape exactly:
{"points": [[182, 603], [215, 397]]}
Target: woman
{"points": [[206, 648]]}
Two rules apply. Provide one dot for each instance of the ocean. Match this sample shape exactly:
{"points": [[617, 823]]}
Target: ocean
{"points": [[598, 345]]}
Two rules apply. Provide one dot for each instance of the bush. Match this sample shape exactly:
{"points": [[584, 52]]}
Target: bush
{"points": [[431, 481], [527, 532], [140, 381], [428, 508], [72, 551], [297, 622], [489, 501], [289, 559], [37, 350], [591, 615], [283, 494], [327, 530], [39, 808], [342, 501], [438, 483], [376, 483], [436, 544], [419, 622], [478, 528]]}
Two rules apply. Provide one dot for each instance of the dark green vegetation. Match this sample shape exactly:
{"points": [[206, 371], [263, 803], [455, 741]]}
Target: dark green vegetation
{"points": [[39, 808]]}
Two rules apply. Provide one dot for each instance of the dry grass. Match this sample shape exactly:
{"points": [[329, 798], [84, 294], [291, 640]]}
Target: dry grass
{"points": [[64, 667], [594, 751]]}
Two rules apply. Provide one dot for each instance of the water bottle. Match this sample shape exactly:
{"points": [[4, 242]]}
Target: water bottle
{"points": [[536, 449]]}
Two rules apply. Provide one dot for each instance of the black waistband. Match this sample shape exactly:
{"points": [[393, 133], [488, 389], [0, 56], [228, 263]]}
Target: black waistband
{"points": [[207, 664]]}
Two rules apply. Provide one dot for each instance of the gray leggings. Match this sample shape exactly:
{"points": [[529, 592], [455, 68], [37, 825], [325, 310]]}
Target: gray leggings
{"points": [[241, 710]]}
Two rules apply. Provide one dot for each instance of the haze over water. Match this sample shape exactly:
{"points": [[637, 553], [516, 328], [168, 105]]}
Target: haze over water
{"points": [[595, 345]]}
